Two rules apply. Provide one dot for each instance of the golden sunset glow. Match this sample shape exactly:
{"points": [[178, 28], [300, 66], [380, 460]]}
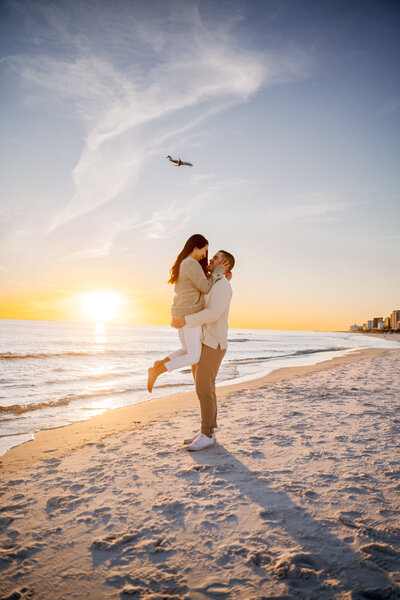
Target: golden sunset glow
{"points": [[101, 306], [101, 208]]}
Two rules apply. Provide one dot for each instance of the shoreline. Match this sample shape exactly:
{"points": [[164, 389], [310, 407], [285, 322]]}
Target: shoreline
{"points": [[62, 441], [385, 335]]}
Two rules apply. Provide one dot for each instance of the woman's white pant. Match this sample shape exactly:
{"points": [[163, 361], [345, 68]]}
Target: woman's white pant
{"points": [[190, 352]]}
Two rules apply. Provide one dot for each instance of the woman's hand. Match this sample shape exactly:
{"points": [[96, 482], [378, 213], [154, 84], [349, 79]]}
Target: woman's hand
{"points": [[218, 261], [225, 264]]}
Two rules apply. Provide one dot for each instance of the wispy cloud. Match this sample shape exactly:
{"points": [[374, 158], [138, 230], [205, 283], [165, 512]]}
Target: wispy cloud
{"points": [[307, 211], [174, 216], [138, 82]]}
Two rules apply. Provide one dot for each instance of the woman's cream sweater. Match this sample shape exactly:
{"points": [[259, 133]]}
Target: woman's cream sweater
{"points": [[191, 286]]}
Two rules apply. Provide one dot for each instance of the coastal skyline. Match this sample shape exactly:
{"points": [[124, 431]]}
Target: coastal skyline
{"points": [[288, 111]]}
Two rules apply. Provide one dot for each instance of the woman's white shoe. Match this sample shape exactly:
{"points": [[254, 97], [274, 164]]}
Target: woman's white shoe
{"points": [[201, 442]]}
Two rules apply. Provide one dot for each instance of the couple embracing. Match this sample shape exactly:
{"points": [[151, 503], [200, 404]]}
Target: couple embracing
{"points": [[200, 312]]}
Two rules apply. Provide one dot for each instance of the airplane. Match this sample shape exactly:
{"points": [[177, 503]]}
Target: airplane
{"points": [[179, 162]]}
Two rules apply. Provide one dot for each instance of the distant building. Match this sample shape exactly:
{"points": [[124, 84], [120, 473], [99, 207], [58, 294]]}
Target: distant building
{"points": [[380, 323], [376, 321], [394, 319]]}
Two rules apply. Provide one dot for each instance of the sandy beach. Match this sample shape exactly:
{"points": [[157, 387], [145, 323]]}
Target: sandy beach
{"points": [[299, 498], [391, 337]]}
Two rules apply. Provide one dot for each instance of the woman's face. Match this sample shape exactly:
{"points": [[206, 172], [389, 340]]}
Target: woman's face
{"points": [[201, 252]]}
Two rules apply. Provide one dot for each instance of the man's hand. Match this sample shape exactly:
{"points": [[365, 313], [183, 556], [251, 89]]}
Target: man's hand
{"points": [[178, 322]]}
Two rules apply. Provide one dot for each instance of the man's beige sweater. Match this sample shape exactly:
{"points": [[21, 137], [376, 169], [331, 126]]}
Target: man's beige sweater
{"points": [[191, 286], [214, 318]]}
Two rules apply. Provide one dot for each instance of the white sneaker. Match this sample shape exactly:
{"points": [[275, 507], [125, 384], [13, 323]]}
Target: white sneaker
{"points": [[201, 442], [191, 439]]}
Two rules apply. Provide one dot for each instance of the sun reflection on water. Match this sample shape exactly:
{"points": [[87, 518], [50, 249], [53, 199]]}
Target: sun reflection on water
{"points": [[100, 334]]}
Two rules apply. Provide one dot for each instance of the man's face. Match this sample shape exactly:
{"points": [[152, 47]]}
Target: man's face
{"points": [[216, 260]]}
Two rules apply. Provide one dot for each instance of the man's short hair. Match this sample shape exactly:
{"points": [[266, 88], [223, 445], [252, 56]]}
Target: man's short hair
{"points": [[229, 257]]}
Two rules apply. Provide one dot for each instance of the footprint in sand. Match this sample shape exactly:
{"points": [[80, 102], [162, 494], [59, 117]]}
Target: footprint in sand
{"points": [[5, 522], [348, 519], [115, 542], [18, 507], [23, 593], [17, 553], [171, 509], [146, 584], [189, 474], [100, 511], [62, 503], [256, 439], [296, 566], [383, 555], [259, 558]]}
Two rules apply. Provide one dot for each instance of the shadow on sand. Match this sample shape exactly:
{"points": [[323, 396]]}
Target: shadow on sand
{"points": [[322, 556]]}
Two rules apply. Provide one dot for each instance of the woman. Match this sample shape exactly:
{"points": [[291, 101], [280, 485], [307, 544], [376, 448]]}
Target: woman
{"points": [[192, 281]]}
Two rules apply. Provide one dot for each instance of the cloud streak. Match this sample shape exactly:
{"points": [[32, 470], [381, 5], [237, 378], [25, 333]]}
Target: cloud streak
{"points": [[165, 76], [319, 207]]}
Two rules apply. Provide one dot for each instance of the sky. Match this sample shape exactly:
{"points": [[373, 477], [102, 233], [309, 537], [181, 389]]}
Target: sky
{"points": [[289, 111]]}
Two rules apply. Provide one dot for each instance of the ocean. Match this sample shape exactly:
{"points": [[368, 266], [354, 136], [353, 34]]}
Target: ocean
{"points": [[53, 374]]}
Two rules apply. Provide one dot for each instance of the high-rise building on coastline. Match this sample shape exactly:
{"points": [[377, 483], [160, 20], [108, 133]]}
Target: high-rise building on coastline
{"points": [[395, 319], [391, 323]]}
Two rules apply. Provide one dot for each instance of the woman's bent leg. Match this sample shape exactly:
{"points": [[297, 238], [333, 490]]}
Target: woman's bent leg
{"points": [[182, 350], [192, 343]]}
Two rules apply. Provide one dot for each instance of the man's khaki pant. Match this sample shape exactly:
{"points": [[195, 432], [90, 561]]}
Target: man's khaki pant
{"points": [[204, 374]]}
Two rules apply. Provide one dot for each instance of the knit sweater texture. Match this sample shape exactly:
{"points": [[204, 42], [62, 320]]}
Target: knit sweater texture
{"points": [[191, 286]]}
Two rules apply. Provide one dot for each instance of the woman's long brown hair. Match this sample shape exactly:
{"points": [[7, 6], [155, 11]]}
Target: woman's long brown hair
{"points": [[195, 241]]}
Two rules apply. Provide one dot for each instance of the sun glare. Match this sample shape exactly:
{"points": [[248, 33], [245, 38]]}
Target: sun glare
{"points": [[101, 306]]}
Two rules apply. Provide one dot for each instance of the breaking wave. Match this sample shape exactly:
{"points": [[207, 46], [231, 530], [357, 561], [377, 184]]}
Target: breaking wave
{"points": [[260, 359]]}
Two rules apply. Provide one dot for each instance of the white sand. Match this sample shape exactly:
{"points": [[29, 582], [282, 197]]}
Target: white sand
{"points": [[298, 499]]}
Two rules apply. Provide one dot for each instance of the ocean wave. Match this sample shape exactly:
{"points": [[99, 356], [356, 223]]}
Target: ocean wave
{"points": [[314, 350], [259, 359], [261, 340], [170, 385], [85, 378], [18, 409], [12, 383], [13, 355]]}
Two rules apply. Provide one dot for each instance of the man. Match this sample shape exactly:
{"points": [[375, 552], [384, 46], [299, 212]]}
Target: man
{"points": [[214, 319]]}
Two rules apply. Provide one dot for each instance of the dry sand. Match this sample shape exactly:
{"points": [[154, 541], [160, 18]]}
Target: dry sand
{"points": [[298, 499]]}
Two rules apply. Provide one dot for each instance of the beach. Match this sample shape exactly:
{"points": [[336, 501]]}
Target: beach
{"points": [[384, 335], [299, 498]]}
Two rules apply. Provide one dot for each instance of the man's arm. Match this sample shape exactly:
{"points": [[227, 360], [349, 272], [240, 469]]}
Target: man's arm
{"points": [[219, 301]]}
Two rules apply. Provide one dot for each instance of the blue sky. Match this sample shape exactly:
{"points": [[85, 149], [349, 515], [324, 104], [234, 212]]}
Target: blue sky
{"points": [[289, 112]]}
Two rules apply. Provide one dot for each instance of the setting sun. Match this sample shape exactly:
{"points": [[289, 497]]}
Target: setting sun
{"points": [[101, 306]]}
